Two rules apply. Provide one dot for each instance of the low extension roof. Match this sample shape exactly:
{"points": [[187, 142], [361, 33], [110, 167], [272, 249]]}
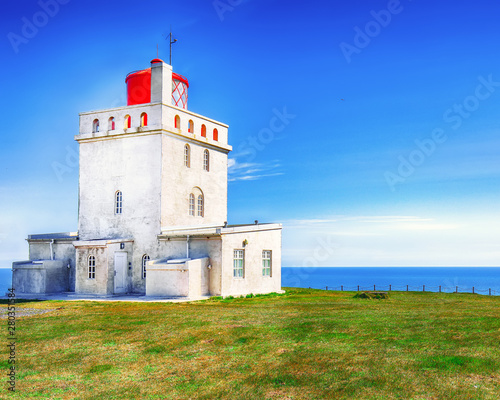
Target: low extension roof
{"points": [[55, 236]]}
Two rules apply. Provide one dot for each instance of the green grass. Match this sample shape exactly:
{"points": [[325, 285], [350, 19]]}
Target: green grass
{"points": [[307, 344]]}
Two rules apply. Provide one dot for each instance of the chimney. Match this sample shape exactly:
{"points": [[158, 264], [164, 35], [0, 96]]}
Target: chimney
{"points": [[161, 82]]}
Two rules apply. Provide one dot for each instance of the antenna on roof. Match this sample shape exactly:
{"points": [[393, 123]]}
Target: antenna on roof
{"points": [[172, 41]]}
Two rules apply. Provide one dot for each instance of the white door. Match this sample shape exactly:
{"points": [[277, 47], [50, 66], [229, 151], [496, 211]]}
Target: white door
{"points": [[120, 272]]}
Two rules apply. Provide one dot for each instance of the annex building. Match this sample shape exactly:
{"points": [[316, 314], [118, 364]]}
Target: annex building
{"points": [[153, 207]]}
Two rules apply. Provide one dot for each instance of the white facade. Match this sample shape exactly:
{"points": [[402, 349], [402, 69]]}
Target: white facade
{"points": [[153, 195]]}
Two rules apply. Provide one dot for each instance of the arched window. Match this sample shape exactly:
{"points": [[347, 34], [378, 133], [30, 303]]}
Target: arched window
{"points": [[216, 135], [191, 204], [118, 202], [191, 126], [127, 122], [145, 259], [203, 131], [177, 122], [187, 156], [200, 205], [206, 160], [144, 119], [95, 126], [91, 265], [111, 124]]}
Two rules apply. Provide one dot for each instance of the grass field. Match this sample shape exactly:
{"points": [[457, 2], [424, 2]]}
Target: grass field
{"points": [[306, 344]]}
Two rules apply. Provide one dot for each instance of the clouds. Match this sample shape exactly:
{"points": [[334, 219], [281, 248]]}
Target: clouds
{"points": [[393, 240], [251, 171]]}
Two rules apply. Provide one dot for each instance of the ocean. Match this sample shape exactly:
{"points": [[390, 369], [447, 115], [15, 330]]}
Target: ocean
{"points": [[466, 279], [449, 278], [5, 280]]}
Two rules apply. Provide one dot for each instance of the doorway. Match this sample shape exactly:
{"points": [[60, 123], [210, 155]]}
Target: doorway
{"points": [[120, 272]]}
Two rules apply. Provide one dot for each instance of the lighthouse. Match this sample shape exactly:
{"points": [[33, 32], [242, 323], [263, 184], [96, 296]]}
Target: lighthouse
{"points": [[153, 205]]}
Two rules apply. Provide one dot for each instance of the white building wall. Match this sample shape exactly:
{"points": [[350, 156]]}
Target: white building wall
{"points": [[253, 280], [178, 182], [131, 164]]}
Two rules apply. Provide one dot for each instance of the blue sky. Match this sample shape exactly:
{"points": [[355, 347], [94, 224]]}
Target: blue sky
{"points": [[388, 150]]}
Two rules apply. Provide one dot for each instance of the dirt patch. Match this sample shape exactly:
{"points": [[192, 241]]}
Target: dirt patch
{"points": [[27, 312]]}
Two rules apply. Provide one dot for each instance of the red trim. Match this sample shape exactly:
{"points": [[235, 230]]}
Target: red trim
{"points": [[180, 78], [140, 72]]}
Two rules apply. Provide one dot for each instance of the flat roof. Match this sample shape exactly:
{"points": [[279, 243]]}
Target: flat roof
{"points": [[54, 236]]}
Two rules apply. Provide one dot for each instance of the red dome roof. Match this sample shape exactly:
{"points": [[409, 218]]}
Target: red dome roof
{"points": [[156, 60]]}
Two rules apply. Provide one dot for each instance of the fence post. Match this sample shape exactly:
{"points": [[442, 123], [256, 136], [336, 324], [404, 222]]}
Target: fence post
{"points": [[439, 288], [341, 288], [390, 288], [490, 291], [406, 287], [327, 288], [423, 290], [472, 289], [456, 290], [358, 288], [374, 288]]}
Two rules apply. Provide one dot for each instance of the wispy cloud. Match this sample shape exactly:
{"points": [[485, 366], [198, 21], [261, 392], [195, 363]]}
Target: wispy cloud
{"points": [[384, 219], [251, 171], [393, 240]]}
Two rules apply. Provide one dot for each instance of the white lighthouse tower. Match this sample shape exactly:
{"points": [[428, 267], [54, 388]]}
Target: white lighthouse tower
{"points": [[153, 204]]}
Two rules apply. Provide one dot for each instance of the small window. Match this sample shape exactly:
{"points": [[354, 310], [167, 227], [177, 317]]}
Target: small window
{"points": [[145, 259], [238, 263], [203, 131], [91, 265], [191, 204], [187, 156], [266, 262], [200, 205], [127, 122], [177, 122], [118, 202], [206, 160], [216, 135], [191, 126], [95, 126], [111, 124], [144, 119]]}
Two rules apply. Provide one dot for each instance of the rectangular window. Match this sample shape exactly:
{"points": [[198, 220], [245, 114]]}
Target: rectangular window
{"points": [[118, 202], [191, 204], [91, 262], [266, 262], [238, 263]]}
